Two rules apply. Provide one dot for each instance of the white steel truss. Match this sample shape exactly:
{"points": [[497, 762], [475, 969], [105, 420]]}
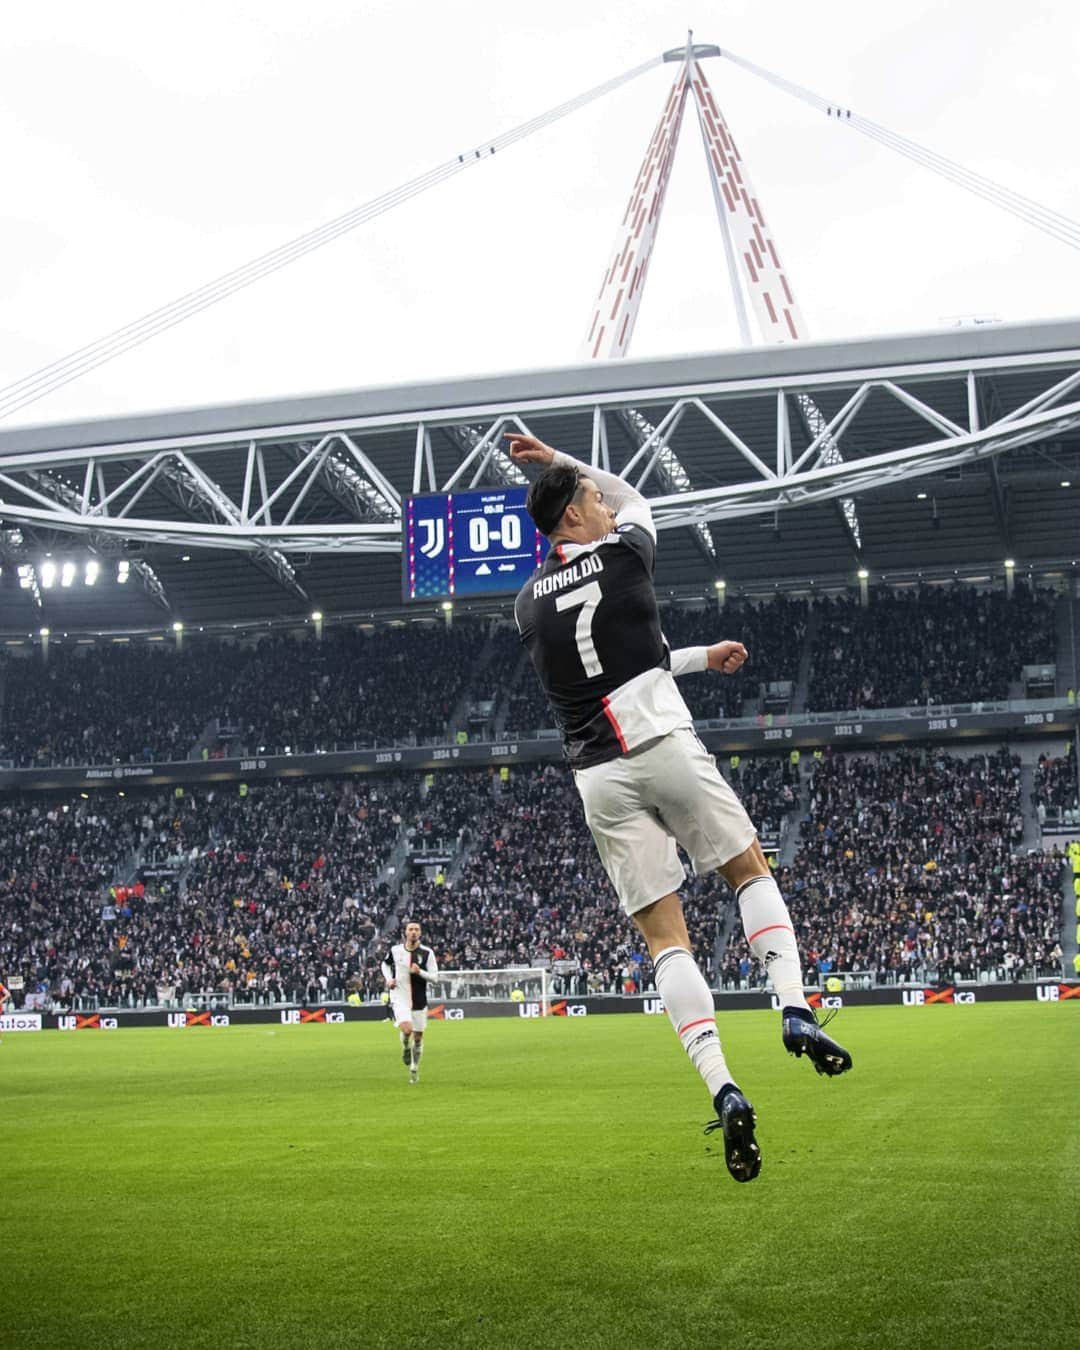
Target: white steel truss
{"points": [[940, 404]]}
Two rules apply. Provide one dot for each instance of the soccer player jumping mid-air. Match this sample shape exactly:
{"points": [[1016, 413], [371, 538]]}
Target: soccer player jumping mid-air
{"points": [[407, 971], [588, 617]]}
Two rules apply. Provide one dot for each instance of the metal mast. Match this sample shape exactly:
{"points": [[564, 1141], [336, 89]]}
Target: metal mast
{"points": [[753, 263]]}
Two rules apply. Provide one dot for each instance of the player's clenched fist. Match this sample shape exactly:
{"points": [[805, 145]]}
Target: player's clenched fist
{"points": [[727, 657]]}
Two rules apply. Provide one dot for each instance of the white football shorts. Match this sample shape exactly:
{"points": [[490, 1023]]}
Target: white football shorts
{"points": [[639, 805], [404, 1012]]}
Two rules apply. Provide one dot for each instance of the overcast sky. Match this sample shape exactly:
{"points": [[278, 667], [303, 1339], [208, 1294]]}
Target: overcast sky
{"points": [[146, 149]]}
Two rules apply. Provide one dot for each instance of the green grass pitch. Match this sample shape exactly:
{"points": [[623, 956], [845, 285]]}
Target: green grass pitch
{"points": [[546, 1185]]}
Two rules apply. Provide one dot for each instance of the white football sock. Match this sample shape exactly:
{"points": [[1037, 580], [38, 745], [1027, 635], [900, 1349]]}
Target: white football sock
{"points": [[689, 1004], [404, 1039], [768, 929]]}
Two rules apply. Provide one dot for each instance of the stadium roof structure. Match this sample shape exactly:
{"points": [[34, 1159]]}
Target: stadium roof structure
{"points": [[770, 466], [957, 446]]}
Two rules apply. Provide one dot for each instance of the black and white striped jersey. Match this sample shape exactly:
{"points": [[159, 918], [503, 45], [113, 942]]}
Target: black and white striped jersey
{"points": [[589, 619], [396, 967]]}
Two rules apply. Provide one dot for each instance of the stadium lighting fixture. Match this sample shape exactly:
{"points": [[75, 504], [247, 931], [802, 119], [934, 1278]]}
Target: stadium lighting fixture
{"points": [[123, 567], [178, 627], [48, 575], [185, 557], [720, 584], [26, 576], [90, 576], [447, 605], [316, 616], [67, 574], [1066, 483], [863, 574], [1010, 563], [43, 632], [920, 496]]}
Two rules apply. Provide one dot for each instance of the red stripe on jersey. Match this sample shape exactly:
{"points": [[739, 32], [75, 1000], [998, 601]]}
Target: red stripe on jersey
{"points": [[559, 553], [614, 724]]}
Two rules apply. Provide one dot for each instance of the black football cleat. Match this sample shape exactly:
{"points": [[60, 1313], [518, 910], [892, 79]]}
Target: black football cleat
{"points": [[735, 1116], [803, 1036]]}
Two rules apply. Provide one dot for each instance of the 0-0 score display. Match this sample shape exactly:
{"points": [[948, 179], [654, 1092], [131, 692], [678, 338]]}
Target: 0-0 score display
{"points": [[469, 543]]}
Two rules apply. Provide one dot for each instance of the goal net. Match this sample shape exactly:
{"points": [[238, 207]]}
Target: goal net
{"points": [[513, 985]]}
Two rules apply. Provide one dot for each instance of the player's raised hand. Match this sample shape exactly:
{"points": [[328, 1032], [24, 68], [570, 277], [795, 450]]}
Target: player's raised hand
{"points": [[726, 657], [527, 449]]}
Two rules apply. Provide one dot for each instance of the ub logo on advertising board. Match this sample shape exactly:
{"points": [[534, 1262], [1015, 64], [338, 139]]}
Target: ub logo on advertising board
{"points": [[919, 998], [1054, 993], [653, 1006]]}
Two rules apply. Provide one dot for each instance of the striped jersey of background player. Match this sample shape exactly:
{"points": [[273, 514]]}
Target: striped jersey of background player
{"points": [[408, 970], [589, 619]]}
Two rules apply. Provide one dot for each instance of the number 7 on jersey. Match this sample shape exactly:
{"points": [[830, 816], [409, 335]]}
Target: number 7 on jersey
{"points": [[588, 597]]}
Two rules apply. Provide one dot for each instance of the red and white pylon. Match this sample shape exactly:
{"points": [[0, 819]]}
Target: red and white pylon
{"points": [[754, 265]]}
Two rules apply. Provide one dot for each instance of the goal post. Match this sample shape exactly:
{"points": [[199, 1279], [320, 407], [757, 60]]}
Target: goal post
{"points": [[513, 984]]}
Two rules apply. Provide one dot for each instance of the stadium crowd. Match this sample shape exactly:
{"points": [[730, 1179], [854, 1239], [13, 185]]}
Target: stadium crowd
{"points": [[908, 869], [1055, 795], [931, 644], [127, 702], [122, 703], [91, 704], [273, 892]]}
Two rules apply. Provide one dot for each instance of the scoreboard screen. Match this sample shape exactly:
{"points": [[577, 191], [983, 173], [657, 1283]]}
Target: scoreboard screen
{"points": [[469, 543]]}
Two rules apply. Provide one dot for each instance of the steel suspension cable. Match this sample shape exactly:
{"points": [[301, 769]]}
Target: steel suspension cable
{"points": [[1045, 218], [65, 369]]}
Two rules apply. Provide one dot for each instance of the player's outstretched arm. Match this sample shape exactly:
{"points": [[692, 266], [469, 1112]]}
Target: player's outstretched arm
{"points": [[630, 507], [726, 657]]}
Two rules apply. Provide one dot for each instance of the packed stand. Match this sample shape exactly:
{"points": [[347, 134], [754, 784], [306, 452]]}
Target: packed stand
{"points": [[61, 932], [397, 686], [931, 645], [449, 811], [772, 633], [532, 890], [99, 705], [267, 893], [907, 871], [127, 703], [1055, 796], [493, 680]]}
